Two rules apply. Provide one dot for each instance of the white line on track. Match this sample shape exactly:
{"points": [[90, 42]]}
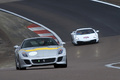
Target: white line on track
{"points": [[112, 64], [106, 3]]}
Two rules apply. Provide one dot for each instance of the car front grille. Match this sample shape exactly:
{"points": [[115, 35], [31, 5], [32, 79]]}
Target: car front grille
{"points": [[43, 60]]}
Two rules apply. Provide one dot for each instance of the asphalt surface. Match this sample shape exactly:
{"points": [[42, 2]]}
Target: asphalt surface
{"points": [[85, 62]]}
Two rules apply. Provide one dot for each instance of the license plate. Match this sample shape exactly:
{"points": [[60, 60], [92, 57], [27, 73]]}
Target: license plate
{"points": [[86, 37]]}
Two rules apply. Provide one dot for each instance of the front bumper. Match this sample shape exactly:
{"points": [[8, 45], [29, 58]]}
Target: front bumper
{"points": [[84, 41], [94, 40], [29, 62]]}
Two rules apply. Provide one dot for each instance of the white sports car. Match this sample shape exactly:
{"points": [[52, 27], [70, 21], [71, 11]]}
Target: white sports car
{"points": [[84, 35], [40, 51]]}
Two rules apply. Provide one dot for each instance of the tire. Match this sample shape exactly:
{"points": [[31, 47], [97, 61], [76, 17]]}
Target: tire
{"points": [[17, 68], [56, 66], [97, 41], [60, 65], [75, 44], [63, 66], [20, 68], [72, 40]]}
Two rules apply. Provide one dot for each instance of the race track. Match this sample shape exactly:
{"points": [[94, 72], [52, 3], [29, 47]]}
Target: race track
{"points": [[85, 62]]}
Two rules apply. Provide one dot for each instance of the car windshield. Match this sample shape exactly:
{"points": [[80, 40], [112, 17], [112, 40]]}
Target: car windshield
{"points": [[39, 42], [86, 31]]}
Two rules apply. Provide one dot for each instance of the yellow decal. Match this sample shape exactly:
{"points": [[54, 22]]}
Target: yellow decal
{"points": [[45, 48]]}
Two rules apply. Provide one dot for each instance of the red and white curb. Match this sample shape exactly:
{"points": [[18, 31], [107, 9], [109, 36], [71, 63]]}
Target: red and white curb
{"points": [[38, 28], [42, 32], [103, 2]]}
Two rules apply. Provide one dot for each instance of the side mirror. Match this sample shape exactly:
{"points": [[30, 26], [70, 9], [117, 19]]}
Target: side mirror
{"points": [[16, 46], [97, 31], [73, 31]]}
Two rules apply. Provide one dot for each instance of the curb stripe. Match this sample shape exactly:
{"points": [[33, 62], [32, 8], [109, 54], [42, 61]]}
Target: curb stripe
{"points": [[41, 31], [36, 29], [33, 25]]}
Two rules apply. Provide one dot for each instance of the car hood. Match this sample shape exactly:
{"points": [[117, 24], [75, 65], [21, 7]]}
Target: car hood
{"points": [[46, 51]]}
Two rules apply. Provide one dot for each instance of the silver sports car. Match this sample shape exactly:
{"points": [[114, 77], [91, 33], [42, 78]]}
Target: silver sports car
{"points": [[39, 51]]}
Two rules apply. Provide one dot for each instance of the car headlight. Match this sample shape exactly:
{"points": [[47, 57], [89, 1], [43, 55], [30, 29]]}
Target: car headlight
{"points": [[24, 54], [76, 38], [95, 36], [60, 51], [32, 53]]}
